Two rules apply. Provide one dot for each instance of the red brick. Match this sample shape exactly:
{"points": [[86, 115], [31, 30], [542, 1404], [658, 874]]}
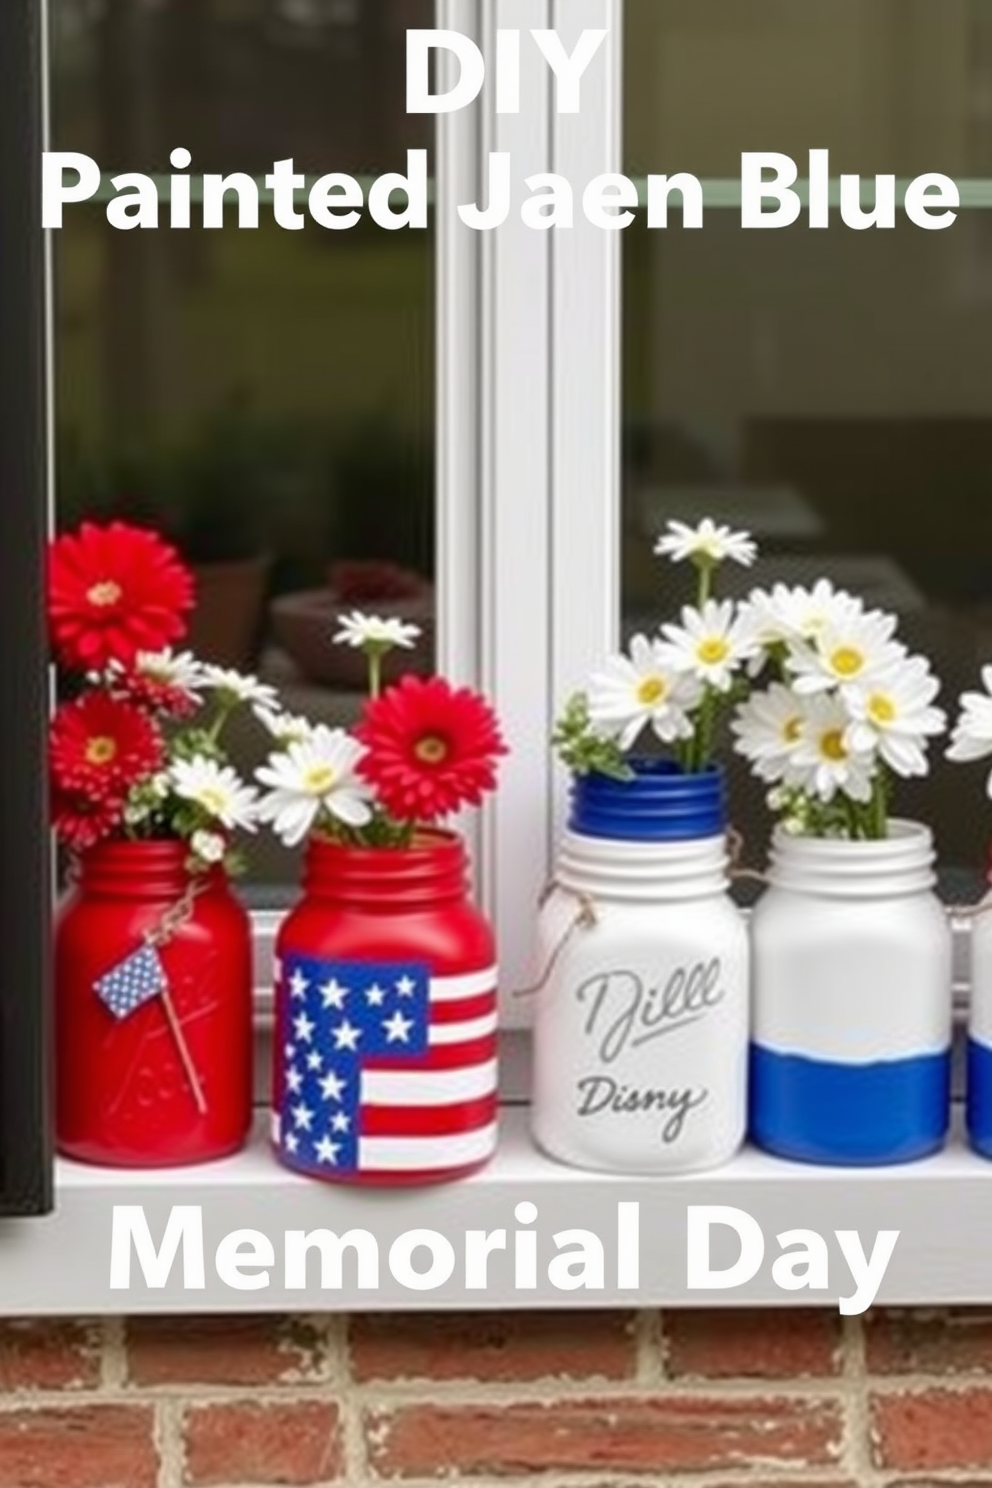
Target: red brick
{"points": [[494, 1347], [642, 1435], [48, 1355], [296, 1442], [933, 1429], [950, 1341], [780, 1344], [92, 1446], [250, 1350]]}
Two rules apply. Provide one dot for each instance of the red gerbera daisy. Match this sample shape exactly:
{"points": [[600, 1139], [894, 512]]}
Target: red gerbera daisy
{"points": [[431, 748], [99, 747], [114, 591], [81, 822]]}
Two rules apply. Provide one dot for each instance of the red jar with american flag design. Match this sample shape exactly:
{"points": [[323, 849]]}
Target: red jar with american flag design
{"points": [[385, 1064], [153, 1010]]}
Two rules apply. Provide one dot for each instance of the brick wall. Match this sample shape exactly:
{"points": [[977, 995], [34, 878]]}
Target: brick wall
{"points": [[579, 1400]]}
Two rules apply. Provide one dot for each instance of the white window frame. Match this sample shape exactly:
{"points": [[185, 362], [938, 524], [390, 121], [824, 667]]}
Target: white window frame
{"points": [[528, 562]]}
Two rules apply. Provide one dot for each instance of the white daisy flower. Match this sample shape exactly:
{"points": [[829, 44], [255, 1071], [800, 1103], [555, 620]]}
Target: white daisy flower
{"points": [[893, 712], [361, 631], [826, 761], [209, 847], [847, 654], [710, 644], [768, 729], [789, 613], [178, 669], [218, 789], [314, 775], [285, 728], [634, 691], [972, 736], [708, 543], [238, 687]]}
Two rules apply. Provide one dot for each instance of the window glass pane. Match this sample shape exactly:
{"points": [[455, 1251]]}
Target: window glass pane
{"points": [[265, 396], [831, 391], [885, 85]]}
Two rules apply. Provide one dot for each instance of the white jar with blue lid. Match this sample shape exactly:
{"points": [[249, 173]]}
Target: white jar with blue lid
{"points": [[850, 1057], [641, 1022]]}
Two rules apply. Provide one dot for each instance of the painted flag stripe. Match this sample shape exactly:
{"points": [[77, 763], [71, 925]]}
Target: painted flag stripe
{"points": [[473, 984], [439, 1057], [429, 1121], [406, 1154], [401, 1087], [462, 1033], [462, 1011]]}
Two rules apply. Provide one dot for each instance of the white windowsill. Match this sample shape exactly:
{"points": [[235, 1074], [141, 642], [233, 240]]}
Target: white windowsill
{"points": [[60, 1264]]}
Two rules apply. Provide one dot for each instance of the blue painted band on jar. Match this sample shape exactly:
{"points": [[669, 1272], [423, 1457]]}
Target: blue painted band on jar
{"points": [[979, 1098], [849, 1115], [663, 803]]}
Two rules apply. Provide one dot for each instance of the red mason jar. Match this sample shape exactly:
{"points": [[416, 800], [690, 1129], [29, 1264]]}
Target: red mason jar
{"points": [[166, 1079], [385, 1047]]}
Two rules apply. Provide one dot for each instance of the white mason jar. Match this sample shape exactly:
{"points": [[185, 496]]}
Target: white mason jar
{"points": [[850, 1056], [979, 1082], [641, 1026]]}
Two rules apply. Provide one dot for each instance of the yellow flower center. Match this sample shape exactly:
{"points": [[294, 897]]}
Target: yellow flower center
{"points": [[100, 750], [652, 690], [791, 729], [881, 708], [847, 661], [318, 780], [713, 651], [213, 799], [431, 749], [104, 594], [832, 745]]}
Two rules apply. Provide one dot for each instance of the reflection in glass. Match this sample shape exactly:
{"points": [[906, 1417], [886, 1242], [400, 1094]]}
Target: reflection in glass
{"points": [[830, 391], [264, 397]]}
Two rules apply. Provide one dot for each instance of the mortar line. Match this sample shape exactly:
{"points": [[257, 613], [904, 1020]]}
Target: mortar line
{"points": [[113, 1354]]}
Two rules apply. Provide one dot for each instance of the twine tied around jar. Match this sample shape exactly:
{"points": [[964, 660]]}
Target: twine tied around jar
{"points": [[141, 976], [171, 922], [586, 917], [736, 844], [969, 911]]}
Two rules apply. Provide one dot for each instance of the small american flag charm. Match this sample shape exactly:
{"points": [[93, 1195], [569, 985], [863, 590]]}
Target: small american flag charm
{"points": [[384, 1071], [133, 982]]}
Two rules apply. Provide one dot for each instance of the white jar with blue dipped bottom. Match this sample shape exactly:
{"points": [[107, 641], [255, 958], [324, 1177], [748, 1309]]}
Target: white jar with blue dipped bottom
{"points": [[979, 1063], [850, 1054], [641, 1020]]}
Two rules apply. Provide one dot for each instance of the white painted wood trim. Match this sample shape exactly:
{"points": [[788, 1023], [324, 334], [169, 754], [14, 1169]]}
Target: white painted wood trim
{"points": [[59, 1265], [515, 538], [586, 350]]}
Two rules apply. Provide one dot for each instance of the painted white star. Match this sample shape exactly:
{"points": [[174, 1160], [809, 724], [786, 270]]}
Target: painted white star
{"points": [[294, 1081], [375, 996], [290, 1051], [303, 1027], [292, 1143], [346, 1036], [334, 994], [298, 985], [340, 1122], [315, 1060], [406, 986], [331, 1087], [302, 1117], [327, 1151], [397, 1029]]}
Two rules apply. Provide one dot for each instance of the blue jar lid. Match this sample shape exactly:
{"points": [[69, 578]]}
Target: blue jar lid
{"points": [[661, 804]]}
